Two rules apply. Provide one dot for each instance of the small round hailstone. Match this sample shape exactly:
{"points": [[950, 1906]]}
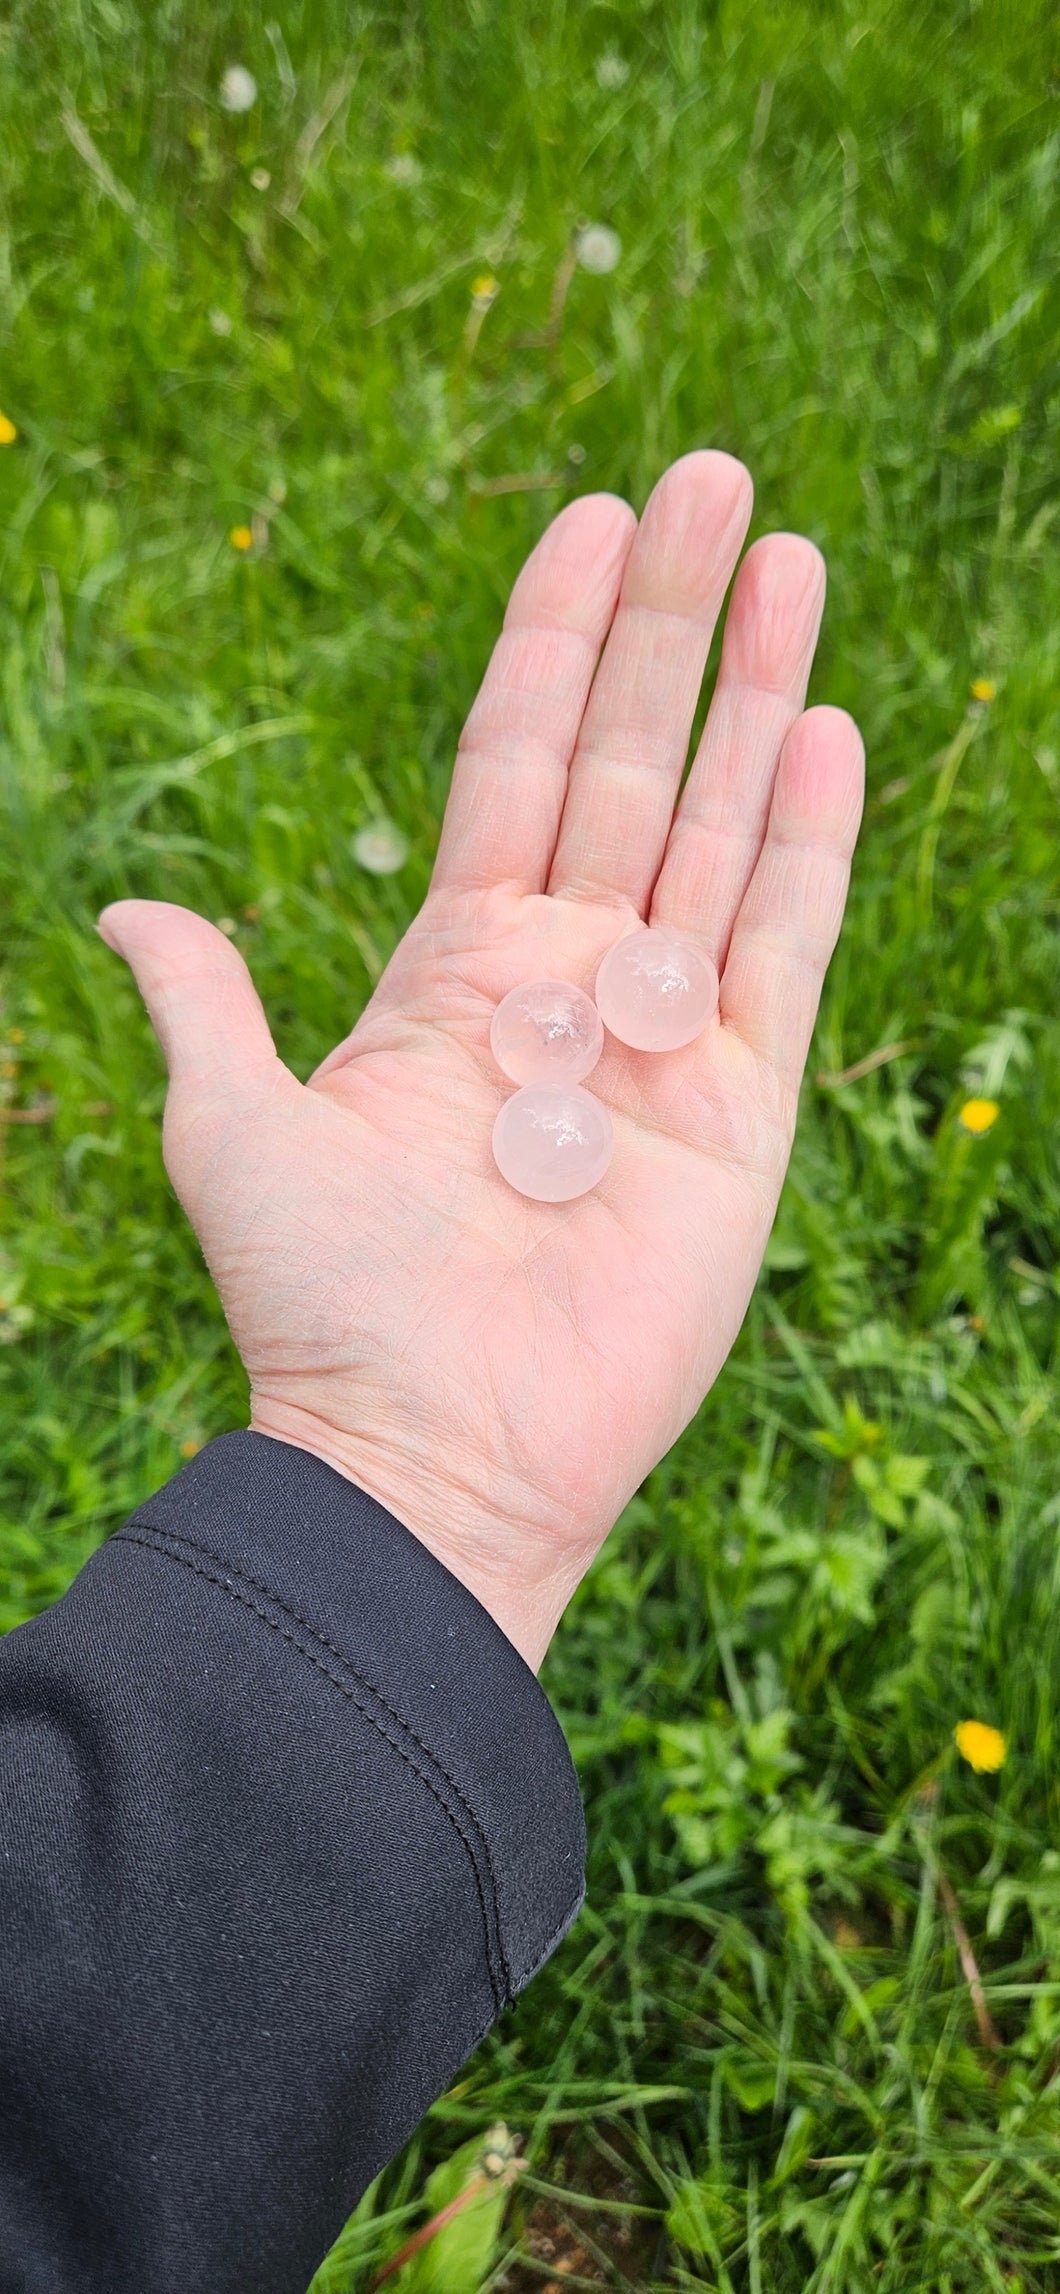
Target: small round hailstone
{"points": [[380, 847], [598, 248], [612, 70], [220, 322], [655, 990], [552, 1141], [238, 90], [436, 487], [260, 178], [403, 167], [546, 1032]]}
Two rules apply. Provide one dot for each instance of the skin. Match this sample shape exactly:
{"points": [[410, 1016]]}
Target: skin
{"points": [[502, 1374]]}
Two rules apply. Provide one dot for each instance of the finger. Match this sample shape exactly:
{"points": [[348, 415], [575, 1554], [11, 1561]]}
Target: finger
{"points": [[510, 776], [789, 919], [770, 634], [633, 742], [200, 997]]}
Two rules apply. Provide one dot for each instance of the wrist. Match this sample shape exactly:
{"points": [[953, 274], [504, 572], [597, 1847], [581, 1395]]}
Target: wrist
{"points": [[524, 1582]]}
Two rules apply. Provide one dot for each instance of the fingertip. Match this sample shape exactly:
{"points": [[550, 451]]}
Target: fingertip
{"points": [[121, 923], [774, 616], [200, 997], [828, 712], [601, 516], [690, 536], [600, 499], [104, 927], [573, 574], [155, 924], [822, 771], [610, 502], [835, 730], [788, 556], [725, 474]]}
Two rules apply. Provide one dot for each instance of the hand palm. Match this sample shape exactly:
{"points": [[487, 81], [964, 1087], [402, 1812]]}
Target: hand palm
{"points": [[502, 1373]]}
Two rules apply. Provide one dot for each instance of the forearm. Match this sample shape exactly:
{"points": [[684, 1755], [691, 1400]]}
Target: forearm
{"points": [[289, 1822]]}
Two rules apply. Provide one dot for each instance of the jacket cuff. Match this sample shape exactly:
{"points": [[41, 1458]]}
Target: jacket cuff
{"points": [[371, 1607]]}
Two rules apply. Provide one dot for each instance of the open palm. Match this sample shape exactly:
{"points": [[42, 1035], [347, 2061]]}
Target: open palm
{"points": [[502, 1373]]}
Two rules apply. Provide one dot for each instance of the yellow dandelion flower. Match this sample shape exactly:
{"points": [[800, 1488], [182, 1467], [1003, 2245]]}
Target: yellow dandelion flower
{"points": [[241, 538], [8, 430], [980, 1745], [984, 689], [484, 287], [190, 1448], [977, 1115]]}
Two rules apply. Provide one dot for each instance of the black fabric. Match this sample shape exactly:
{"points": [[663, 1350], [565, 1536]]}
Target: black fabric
{"points": [[286, 1821]]}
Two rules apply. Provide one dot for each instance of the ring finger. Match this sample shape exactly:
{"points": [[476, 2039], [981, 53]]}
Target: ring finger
{"points": [[770, 635]]}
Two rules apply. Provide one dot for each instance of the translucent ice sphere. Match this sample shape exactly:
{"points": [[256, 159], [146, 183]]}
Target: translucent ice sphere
{"points": [[656, 991], [547, 1032], [552, 1141]]}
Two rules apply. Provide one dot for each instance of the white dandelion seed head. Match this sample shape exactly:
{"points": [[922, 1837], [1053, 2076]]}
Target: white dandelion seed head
{"points": [[598, 248], [612, 70], [239, 89], [403, 167], [380, 847]]}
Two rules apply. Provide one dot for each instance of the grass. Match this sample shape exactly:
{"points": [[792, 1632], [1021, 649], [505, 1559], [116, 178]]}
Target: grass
{"points": [[758, 2063]]}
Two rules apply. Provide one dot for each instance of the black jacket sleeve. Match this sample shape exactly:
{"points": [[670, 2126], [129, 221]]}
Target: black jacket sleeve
{"points": [[285, 1822]]}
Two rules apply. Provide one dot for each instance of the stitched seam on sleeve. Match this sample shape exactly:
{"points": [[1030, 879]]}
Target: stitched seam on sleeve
{"points": [[178, 1539], [222, 1578]]}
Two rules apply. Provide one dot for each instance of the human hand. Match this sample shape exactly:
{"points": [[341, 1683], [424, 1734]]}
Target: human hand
{"points": [[501, 1374]]}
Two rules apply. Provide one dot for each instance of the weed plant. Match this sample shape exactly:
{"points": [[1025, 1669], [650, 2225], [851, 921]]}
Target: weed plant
{"points": [[805, 2037]]}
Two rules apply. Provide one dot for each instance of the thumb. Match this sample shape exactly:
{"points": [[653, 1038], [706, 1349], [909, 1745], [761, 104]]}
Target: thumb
{"points": [[200, 998]]}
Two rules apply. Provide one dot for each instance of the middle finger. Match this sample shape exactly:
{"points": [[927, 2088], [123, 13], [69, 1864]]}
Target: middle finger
{"points": [[633, 739]]}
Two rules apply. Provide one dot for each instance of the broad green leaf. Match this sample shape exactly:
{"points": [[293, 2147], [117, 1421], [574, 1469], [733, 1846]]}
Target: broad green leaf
{"points": [[459, 2254]]}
